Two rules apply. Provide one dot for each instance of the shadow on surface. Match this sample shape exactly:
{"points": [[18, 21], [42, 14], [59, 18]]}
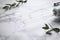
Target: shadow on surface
{"points": [[56, 22]]}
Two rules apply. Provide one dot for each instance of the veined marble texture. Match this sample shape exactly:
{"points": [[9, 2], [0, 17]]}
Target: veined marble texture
{"points": [[26, 21]]}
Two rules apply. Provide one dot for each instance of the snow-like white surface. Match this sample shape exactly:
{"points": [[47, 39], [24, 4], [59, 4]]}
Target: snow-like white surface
{"points": [[26, 22]]}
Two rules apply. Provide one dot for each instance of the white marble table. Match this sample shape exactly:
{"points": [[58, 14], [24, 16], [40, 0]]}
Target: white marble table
{"points": [[26, 21]]}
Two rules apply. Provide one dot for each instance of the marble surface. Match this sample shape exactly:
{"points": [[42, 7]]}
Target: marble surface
{"points": [[26, 21]]}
